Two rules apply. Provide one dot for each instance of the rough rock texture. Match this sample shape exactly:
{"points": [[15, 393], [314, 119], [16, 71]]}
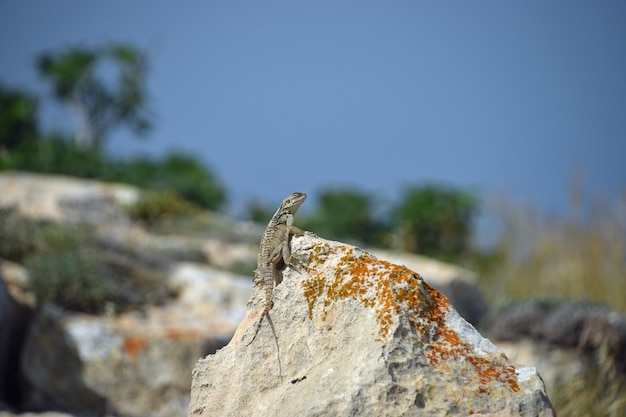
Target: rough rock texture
{"points": [[558, 366], [72, 200], [355, 336], [17, 308], [133, 364], [64, 199], [458, 284], [561, 338]]}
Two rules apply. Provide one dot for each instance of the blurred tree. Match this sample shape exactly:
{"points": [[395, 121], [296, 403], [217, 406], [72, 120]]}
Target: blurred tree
{"points": [[178, 172], [435, 221], [82, 79], [97, 107], [57, 155], [257, 211], [18, 121], [344, 213]]}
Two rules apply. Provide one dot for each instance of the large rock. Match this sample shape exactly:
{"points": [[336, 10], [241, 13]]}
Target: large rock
{"points": [[563, 339], [65, 199], [350, 335], [458, 284], [136, 363], [71, 200]]}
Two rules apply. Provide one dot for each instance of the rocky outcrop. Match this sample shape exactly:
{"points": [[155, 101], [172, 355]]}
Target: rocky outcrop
{"points": [[563, 339], [458, 284], [135, 363], [231, 244], [139, 363], [65, 199], [351, 335]]}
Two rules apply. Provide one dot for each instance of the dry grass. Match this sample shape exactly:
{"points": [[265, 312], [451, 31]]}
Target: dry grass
{"points": [[580, 258], [601, 393], [574, 259]]}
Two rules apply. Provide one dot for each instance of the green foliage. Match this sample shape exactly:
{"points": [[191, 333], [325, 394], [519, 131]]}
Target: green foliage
{"points": [[96, 106], [77, 81], [68, 267], [58, 156], [159, 205], [62, 268], [72, 278], [257, 211], [17, 118], [435, 221], [18, 235], [177, 172], [344, 213], [22, 237]]}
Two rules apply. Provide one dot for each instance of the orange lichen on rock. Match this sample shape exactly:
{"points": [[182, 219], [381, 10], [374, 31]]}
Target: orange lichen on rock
{"points": [[134, 345], [177, 334], [394, 291]]}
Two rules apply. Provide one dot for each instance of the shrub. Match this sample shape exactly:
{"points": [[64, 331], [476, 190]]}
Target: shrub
{"points": [[64, 269], [158, 205], [22, 237], [56, 155], [176, 172], [18, 235], [69, 267], [72, 278], [18, 121], [344, 213], [435, 221]]}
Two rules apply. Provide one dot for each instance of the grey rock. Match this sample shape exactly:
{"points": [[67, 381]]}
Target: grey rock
{"points": [[65, 199], [136, 363], [558, 366], [350, 335], [17, 308], [563, 339]]}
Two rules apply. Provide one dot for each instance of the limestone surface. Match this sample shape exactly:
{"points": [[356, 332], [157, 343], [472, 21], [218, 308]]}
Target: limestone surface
{"points": [[352, 335], [137, 363]]}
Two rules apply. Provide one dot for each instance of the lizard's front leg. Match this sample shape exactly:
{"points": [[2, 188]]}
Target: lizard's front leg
{"points": [[291, 229], [289, 260]]}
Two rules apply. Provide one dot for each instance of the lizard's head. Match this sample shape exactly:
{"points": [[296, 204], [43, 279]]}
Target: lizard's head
{"points": [[293, 202]]}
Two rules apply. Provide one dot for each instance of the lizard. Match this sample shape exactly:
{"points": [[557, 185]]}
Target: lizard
{"points": [[274, 248]]}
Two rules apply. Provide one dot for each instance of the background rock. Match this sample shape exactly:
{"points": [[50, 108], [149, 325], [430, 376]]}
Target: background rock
{"points": [[563, 339], [136, 363], [351, 335], [17, 308], [557, 366], [65, 199]]}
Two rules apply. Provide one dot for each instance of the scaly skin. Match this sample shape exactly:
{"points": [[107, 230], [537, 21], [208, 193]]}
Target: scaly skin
{"points": [[274, 248]]}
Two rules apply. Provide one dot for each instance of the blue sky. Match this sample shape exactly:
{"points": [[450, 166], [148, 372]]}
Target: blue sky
{"points": [[504, 98]]}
